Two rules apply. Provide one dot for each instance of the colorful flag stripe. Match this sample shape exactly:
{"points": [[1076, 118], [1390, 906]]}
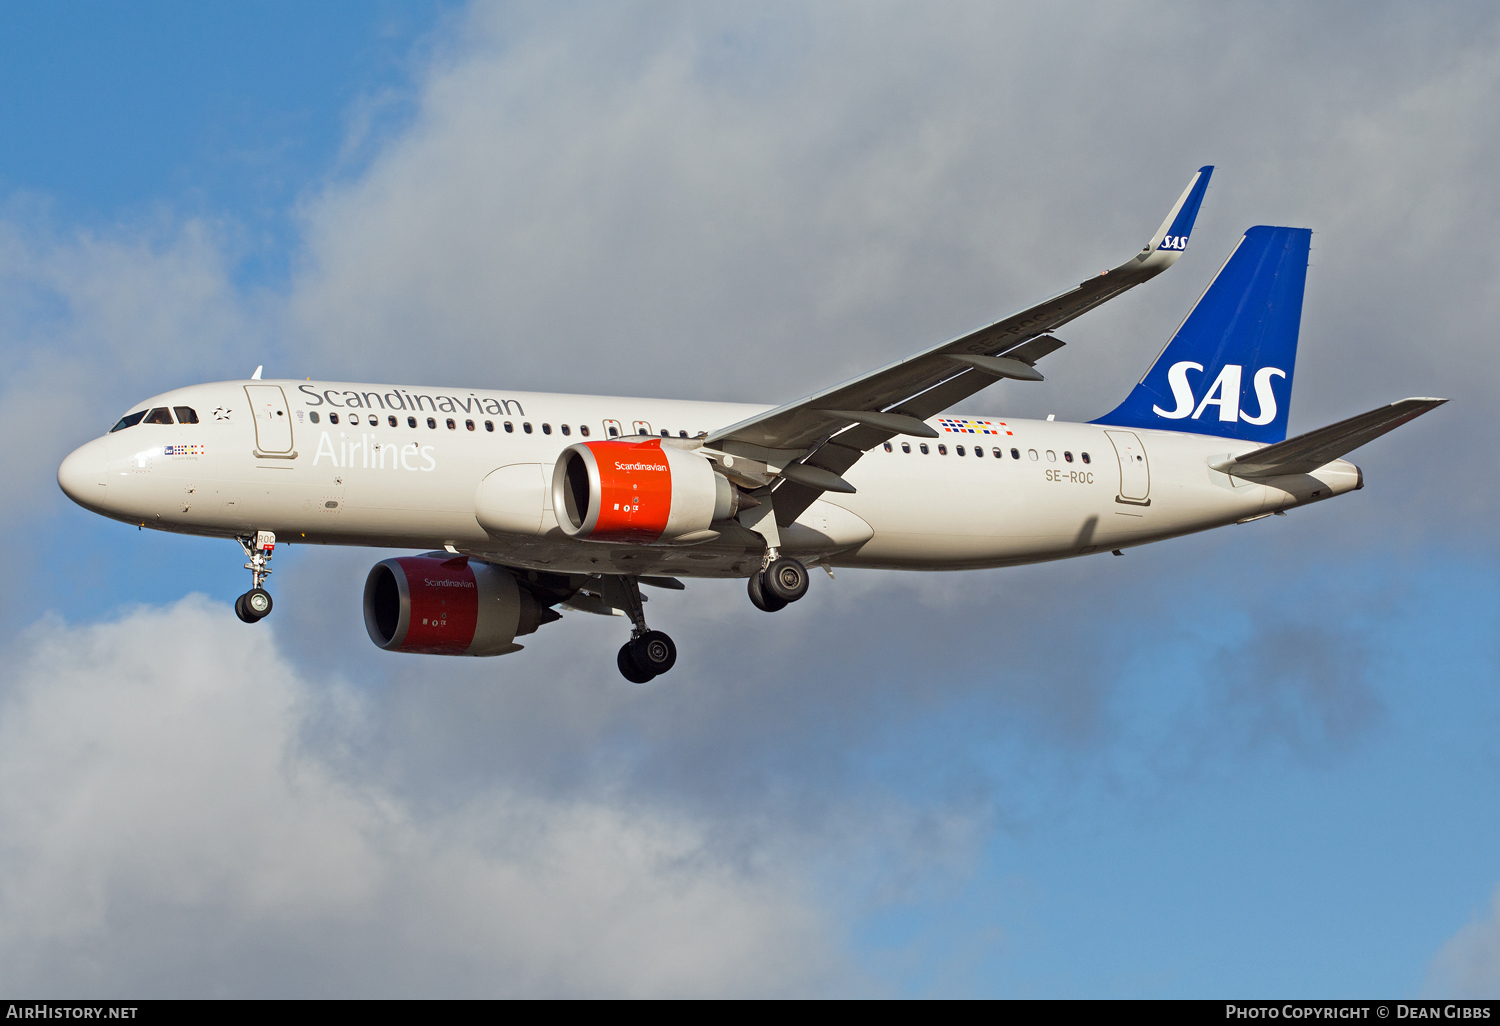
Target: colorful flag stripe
{"points": [[966, 426]]}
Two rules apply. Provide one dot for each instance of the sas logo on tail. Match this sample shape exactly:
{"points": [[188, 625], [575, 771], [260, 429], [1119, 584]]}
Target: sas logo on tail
{"points": [[1223, 393], [1174, 242]]}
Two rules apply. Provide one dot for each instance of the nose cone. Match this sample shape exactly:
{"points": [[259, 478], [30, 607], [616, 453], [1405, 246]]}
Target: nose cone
{"points": [[82, 476]]}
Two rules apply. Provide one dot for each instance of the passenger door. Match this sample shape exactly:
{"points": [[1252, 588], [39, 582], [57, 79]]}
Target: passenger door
{"points": [[273, 425], [1135, 471]]}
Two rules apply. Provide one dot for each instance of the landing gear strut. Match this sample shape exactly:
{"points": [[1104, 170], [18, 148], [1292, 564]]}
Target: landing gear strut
{"points": [[255, 604], [647, 653], [781, 581]]}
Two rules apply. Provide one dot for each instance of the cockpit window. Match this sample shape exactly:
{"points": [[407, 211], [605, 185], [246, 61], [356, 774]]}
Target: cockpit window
{"points": [[160, 415], [185, 414], [129, 420]]}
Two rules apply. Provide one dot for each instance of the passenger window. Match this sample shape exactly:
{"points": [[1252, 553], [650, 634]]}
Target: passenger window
{"points": [[567, 430], [1051, 456], [469, 424], [489, 425], [923, 447], [391, 420], [185, 414], [665, 433], [313, 416], [546, 429], [526, 426], [1085, 457], [1015, 454], [958, 450], [888, 447], [411, 422], [354, 418], [509, 428], [614, 432], [1067, 456], [978, 450], [129, 420], [333, 418], [431, 423], [682, 434], [583, 429], [999, 454], [1031, 453], [942, 450], [906, 447], [452, 426], [160, 415]]}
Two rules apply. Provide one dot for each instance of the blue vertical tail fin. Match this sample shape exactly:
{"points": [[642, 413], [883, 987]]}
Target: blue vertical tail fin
{"points": [[1228, 370]]}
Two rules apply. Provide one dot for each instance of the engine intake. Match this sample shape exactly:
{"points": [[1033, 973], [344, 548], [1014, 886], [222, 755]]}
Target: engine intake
{"points": [[441, 606], [642, 492]]}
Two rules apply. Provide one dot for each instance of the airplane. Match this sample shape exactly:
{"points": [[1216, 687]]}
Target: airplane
{"points": [[523, 504]]}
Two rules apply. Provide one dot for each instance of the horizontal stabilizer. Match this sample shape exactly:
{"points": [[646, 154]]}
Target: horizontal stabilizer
{"points": [[1306, 453]]}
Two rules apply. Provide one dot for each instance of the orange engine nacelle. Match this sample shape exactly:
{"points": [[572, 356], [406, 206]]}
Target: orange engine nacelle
{"points": [[440, 606], [641, 492]]}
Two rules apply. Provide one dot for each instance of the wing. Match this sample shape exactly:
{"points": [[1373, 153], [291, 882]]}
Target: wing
{"points": [[810, 442], [1306, 453]]}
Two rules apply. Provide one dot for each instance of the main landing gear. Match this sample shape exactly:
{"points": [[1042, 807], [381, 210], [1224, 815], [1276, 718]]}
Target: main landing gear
{"points": [[255, 604], [647, 653], [781, 581]]}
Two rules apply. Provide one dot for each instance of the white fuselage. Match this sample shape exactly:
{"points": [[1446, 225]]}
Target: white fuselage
{"points": [[244, 466]]}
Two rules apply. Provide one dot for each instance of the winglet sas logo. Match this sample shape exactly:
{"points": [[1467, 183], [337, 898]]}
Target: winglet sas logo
{"points": [[1223, 393], [1174, 242]]}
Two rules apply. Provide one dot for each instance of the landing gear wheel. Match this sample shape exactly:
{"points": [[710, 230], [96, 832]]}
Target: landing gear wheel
{"points": [[628, 669], [785, 579], [653, 652], [243, 613], [258, 603], [763, 599]]}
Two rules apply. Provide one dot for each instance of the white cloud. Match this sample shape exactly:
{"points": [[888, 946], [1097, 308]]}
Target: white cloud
{"points": [[1468, 965], [749, 203], [176, 820]]}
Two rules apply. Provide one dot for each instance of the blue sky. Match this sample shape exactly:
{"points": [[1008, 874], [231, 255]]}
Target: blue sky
{"points": [[227, 112], [1256, 762]]}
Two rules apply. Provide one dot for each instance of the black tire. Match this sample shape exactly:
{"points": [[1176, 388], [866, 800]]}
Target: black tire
{"points": [[258, 603], [785, 579], [243, 613], [631, 672], [762, 599], [654, 652]]}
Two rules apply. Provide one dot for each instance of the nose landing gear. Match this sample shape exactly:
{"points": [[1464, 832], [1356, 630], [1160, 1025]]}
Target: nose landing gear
{"points": [[647, 653], [255, 604]]}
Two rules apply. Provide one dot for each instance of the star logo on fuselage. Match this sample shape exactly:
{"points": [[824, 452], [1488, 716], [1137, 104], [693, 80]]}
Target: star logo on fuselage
{"points": [[220, 413]]}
